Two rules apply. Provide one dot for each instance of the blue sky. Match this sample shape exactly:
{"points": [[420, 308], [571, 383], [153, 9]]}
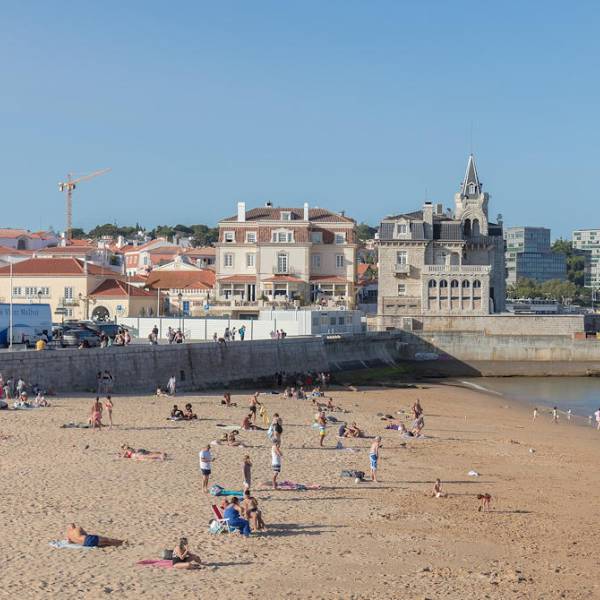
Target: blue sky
{"points": [[357, 106]]}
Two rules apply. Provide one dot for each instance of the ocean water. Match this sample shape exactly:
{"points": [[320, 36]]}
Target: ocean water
{"points": [[580, 394]]}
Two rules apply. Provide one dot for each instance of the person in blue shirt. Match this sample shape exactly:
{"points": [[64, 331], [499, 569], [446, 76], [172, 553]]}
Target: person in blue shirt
{"points": [[232, 514]]}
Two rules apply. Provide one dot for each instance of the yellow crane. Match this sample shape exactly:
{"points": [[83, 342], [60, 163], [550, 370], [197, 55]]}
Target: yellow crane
{"points": [[68, 186]]}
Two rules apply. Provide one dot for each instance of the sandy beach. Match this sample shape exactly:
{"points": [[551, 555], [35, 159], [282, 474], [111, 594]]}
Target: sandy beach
{"points": [[346, 540]]}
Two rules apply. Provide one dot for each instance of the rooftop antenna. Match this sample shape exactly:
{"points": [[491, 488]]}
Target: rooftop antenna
{"points": [[471, 137]]}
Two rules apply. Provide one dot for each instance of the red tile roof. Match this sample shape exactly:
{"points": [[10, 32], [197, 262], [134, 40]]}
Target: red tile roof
{"points": [[54, 266], [201, 251], [75, 249], [14, 233], [315, 215], [14, 251], [238, 279], [166, 280], [114, 287]]}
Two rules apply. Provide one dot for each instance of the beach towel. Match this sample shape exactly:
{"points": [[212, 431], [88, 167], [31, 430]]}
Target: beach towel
{"points": [[230, 427], [67, 544], [159, 563], [217, 490], [76, 426], [292, 485]]}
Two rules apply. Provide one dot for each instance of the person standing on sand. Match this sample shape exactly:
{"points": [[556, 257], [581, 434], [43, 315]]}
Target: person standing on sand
{"points": [[96, 416], [276, 462], [247, 471], [535, 413], [108, 404], [253, 404], [597, 415], [374, 457], [555, 414], [322, 423], [206, 460]]}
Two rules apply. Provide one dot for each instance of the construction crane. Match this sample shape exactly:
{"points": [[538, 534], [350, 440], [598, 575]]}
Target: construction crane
{"points": [[68, 186]]}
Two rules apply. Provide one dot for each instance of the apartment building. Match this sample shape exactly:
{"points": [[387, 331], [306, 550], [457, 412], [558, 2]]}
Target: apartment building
{"points": [[443, 262], [588, 242], [529, 255], [275, 254]]}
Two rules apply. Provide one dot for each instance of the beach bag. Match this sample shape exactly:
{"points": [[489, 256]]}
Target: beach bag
{"points": [[167, 555]]}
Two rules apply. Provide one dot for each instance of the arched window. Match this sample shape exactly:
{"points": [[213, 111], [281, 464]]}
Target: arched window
{"points": [[475, 227], [454, 283], [443, 283], [432, 283], [477, 283], [471, 189], [466, 283], [467, 227]]}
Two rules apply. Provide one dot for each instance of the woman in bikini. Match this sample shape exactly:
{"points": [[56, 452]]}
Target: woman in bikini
{"points": [[141, 453], [96, 418], [183, 558], [108, 404], [251, 511]]}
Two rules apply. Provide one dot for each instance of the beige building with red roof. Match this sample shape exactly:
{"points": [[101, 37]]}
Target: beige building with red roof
{"points": [[281, 255], [184, 291], [64, 283]]}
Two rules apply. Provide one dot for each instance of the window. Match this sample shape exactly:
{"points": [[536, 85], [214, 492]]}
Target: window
{"points": [[286, 215], [228, 260], [316, 261], [316, 237], [282, 237], [477, 283], [471, 189], [145, 260], [402, 228], [17, 291], [401, 289], [454, 283], [282, 263], [402, 257], [68, 293], [339, 261], [340, 238], [432, 283], [251, 237], [443, 283], [229, 236], [466, 283], [250, 258]]}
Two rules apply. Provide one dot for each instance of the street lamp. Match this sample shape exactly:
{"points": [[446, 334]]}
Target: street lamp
{"points": [[179, 297]]}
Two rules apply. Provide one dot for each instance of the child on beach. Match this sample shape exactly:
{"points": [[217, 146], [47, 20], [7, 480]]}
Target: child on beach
{"points": [[437, 490], [374, 457], [247, 471]]}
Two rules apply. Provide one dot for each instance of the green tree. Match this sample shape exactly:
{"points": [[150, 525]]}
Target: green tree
{"points": [[111, 229], [204, 235], [564, 292], [524, 288], [365, 232], [77, 233]]}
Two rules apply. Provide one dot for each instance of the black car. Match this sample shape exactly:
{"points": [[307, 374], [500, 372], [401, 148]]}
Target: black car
{"points": [[74, 337]]}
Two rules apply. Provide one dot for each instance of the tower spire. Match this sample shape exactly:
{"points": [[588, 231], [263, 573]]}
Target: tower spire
{"points": [[471, 186]]}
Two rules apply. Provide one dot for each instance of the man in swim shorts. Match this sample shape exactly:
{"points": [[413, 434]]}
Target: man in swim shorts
{"points": [[374, 457], [78, 535]]}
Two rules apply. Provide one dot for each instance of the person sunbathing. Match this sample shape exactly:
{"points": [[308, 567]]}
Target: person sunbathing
{"points": [[183, 558], [251, 511], [405, 433], [247, 423], [437, 490], [160, 392], [78, 535], [141, 453], [227, 400], [22, 402], [176, 412], [188, 413], [353, 431]]}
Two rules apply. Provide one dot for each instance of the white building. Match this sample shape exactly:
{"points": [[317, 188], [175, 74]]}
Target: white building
{"points": [[588, 241]]}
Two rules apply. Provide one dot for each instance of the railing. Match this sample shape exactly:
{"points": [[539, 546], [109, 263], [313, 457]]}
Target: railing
{"points": [[456, 269], [401, 269], [284, 271], [69, 302]]}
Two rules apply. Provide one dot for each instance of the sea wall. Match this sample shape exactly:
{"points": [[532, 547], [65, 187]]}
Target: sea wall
{"points": [[141, 368]]}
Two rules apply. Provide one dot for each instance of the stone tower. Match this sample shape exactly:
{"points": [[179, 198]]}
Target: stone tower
{"points": [[472, 203]]}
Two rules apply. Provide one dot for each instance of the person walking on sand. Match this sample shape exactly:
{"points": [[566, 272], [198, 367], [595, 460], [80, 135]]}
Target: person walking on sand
{"points": [[535, 413], [555, 414], [569, 414], [108, 404], [374, 457], [96, 414], [276, 456], [172, 385], [597, 415], [247, 471], [253, 405], [322, 423], [206, 460]]}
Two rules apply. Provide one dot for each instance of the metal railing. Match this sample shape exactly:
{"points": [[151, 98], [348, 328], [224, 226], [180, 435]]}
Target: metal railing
{"points": [[456, 269]]}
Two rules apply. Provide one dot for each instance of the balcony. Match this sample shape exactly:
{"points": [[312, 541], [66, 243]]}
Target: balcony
{"points": [[69, 302], [456, 270], [401, 269], [288, 270]]}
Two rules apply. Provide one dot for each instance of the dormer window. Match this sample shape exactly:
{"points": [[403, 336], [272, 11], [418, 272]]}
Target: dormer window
{"points": [[251, 237], [282, 237], [229, 237], [401, 229], [471, 189], [286, 215], [340, 238]]}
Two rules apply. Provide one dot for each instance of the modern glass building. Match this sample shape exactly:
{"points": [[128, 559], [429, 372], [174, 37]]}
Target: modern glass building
{"points": [[529, 256], [588, 240]]}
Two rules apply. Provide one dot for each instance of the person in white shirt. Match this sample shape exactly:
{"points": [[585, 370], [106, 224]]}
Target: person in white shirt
{"points": [[597, 415], [206, 459]]}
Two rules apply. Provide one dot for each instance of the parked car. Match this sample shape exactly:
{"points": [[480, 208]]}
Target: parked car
{"points": [[74, 337], [109, 329]]}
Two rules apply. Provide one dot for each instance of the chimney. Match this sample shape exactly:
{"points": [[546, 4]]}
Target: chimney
{"points": [[428, 213], [306, 211], [241, 212]]}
